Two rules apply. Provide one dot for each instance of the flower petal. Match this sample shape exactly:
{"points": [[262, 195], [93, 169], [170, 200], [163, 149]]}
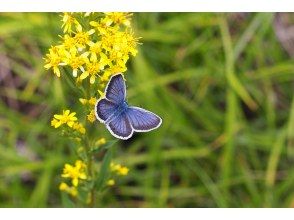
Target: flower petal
{"points": [[75, 182], [75, 73], [84, 75], [92, 79], [70, 123], [72, 114], [58, 116]]}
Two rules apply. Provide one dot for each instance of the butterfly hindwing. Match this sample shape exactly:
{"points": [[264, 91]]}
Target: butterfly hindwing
{"points": [[142, 120], [120, 127], [116, 89]]}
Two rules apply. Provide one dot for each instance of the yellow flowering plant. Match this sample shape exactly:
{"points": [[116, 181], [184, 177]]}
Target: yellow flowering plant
{"points": [[92, 48]]}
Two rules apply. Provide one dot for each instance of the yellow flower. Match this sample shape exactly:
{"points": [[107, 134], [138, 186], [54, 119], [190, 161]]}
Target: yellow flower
{"points": [[110, 182], [131, 43], [91, 116], [123, 171], [92, 69], [119, 169], [102, 28], [54, 122], [104, 61], [79, 127], [112, 70], [83, 101], [70, 190], [100, 142], [92, 101], [66, 118], [75, 172], [68, 21], [95, 49], [82, 38], [117, 18], [75, 60], [54, 60], [69, 42], [119, 46], [114, 167], [100, 92]]}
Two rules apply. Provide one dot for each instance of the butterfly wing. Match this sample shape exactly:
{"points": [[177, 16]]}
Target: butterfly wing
{"points": [[120, 127], [115, 93], [116, 89], [123, 121], [142, 120], [104, 109]]}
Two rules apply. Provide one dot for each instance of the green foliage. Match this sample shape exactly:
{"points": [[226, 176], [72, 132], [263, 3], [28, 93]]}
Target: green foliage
{"points": [[221, 82]]}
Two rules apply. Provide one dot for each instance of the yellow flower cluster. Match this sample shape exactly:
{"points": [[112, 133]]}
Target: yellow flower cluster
{"points": [[110, 182], [92, 48], [119, 170], [68, 189], [100, 142], [75, 173], [98, 51], [66, 118], [69, 119], [91, 102]]}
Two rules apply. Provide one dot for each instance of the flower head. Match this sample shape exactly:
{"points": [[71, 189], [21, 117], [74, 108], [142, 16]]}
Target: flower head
{"points": [[117, 18], [82, 38], [92, 101], [119, 169], [102, 28], [75, 60], [79, 127], [75, 173], [54, 59], [110, 182], [69, 189], [94, 48], [91, 116], [100, 142], [92, 69], [69, 43], [66, 118], [68, 22]]}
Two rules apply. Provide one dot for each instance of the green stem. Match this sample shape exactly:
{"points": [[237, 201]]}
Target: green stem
{"points": [[90, 161], [90, 171]]}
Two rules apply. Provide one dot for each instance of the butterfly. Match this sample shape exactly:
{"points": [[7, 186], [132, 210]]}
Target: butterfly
{"points": [[120, 118]]}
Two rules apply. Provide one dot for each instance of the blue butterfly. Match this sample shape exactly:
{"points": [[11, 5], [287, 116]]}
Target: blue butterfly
{"points": [[120, 118]]}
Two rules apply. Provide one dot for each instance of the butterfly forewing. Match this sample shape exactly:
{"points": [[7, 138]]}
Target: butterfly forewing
{"points": [[116, 89], [104, 109]]}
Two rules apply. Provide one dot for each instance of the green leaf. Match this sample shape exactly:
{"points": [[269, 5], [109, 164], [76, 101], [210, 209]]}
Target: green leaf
{"points": [[104, 170], [66, 201]]}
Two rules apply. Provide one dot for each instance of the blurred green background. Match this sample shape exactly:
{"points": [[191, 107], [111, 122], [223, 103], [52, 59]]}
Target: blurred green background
{"points": [[223, 84]]}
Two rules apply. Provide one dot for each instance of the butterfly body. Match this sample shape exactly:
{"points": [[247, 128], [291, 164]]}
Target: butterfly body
{"points": [[120, 109], [120, 118]]}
